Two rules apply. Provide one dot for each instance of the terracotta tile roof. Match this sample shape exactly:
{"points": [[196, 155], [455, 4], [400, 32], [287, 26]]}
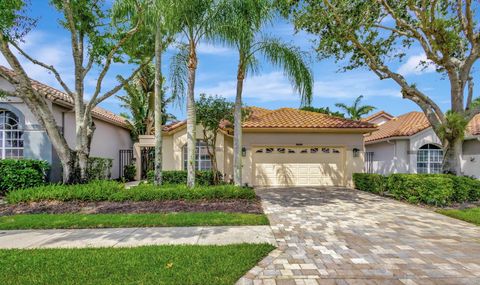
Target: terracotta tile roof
{"points": [[376, 115], [56, 95], [174, 125], [294, 118], [412, 123]]}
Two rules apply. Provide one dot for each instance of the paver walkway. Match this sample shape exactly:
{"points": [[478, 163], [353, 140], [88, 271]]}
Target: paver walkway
{"points": [[126, 237], [342, 236]]}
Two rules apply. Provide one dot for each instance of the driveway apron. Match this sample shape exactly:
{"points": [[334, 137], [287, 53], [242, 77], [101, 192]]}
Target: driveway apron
{"points": [[343, 236]]}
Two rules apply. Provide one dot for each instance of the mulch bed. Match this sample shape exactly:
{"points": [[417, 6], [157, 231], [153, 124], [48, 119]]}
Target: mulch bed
{"points": [[56, 207]]}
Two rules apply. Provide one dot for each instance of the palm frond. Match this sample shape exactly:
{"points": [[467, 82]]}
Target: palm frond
{"points": [[179, 74], [294, 64]]}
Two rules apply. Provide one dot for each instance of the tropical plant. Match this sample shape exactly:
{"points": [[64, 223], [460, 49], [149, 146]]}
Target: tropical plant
{"points": [[376, 33], [323, 110], [160, 17], [242, 30], [139, 100], [96, 42], [356, 111], [199, 20], [212, 111]]}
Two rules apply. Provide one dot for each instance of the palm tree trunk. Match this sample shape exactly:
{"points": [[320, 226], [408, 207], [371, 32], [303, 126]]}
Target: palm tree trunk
{"points": [[191, 118], [453, 151], [158, 107], [237, 134]]}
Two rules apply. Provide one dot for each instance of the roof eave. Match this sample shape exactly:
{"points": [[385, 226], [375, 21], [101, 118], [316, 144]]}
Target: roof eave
{"points": [[307, 130]]}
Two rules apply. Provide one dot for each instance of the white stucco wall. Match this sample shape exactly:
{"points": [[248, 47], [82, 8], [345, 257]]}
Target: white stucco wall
{"points": [[389, 156], [471, 158], [108, 139], [400, 155]]}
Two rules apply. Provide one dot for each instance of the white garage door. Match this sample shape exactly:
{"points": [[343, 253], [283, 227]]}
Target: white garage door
{"points": [[298, 166]]}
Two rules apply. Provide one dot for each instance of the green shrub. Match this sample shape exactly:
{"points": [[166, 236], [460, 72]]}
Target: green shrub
{"points": [[22, 173], [148, 192], [420, 188], [104, 190], [432, 189], [374, 183], [202, 177], [100, 190], [129, 172], [99, 168]]}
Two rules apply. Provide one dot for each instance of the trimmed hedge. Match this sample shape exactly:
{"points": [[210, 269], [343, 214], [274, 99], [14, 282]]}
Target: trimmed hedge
{"points": [[114, 191], [202, 177], [431, 189], [22, 173], [374, 183]]}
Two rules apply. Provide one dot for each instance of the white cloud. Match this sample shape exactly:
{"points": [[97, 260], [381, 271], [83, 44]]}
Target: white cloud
{"points": [[207, 48], [274, 87], [416, 65], [352, 84], [267, 87]]}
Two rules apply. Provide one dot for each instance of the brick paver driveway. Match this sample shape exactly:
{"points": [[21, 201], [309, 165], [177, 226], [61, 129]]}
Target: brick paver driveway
{"points": [[342, 236]]}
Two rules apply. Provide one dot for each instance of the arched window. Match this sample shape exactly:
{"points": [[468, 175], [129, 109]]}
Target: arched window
{"points": [[202, 161], [429, 159], [11, 138]]}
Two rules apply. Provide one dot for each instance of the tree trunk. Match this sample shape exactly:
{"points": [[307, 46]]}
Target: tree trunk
{"points": [[237, 134], [211, 149], [38, 106], [191, 129], [452, 155], [158, 107]]}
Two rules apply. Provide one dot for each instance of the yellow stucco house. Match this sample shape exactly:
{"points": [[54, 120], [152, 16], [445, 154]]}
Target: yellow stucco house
{"points": [[284, 147]]}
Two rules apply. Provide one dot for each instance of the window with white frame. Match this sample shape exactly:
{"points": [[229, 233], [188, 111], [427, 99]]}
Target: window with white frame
{"points": [[202, 161], [429, 159], [11, 138]]}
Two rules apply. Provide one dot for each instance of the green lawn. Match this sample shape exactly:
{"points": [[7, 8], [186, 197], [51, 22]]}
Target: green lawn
{"points": [[471, 215], [78, 221], [141, 265]]}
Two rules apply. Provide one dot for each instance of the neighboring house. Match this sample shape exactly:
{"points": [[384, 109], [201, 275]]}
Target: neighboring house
{"points": [[21, 136], [407, 144], [284, 147]]}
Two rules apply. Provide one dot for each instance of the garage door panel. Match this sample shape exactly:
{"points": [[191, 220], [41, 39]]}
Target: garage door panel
{"points": [[298, 169]]}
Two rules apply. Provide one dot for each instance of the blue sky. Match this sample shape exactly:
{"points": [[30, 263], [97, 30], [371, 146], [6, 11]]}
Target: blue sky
{"points": [[216, 74]]}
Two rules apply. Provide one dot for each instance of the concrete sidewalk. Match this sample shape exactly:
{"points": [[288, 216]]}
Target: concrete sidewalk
{"points": [[129, 237]]}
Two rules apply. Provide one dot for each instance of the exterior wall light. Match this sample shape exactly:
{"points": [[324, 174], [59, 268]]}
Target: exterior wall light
{"points": [[356, 152], [244, 151]]}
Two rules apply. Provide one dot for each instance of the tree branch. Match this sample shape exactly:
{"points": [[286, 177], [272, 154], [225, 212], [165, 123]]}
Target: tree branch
{"points": [[109, 59], [470, 93], [117, 88], [383, 72], [49, 67]]}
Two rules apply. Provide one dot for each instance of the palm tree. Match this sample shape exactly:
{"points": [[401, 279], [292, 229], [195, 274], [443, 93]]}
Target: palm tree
{"points": [[199, 20], [244, 24], [139, 101], [356, 111], [158, 18]]}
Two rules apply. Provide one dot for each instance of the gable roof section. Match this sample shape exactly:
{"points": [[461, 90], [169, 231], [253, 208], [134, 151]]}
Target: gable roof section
{"points": [[62, 98], [289, 118], [410, 124], [378, 115]]}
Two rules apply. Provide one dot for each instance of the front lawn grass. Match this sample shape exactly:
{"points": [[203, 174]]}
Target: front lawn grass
{"points": [[471, 215], [113, 191], [82, 221], [185, 264]]}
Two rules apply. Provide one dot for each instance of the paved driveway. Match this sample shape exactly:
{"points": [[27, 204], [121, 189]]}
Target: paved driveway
{"points": [[342, 236]]}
